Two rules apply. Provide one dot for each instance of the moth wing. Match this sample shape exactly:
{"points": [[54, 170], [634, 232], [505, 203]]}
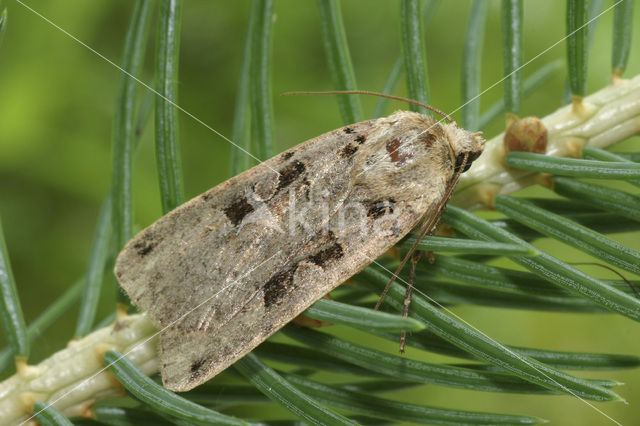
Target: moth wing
{"points": [[224, 271], [198, 266], [208, 242], [308, 273]]}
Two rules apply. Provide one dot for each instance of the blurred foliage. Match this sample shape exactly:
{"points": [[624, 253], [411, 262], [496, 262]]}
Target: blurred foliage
{"points": [[57, 103]]}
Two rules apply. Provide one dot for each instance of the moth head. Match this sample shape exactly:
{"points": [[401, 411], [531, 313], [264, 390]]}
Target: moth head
{"points": [[465, 146]]}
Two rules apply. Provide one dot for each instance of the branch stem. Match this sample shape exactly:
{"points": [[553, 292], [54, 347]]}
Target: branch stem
{"points": [[609, 116]]}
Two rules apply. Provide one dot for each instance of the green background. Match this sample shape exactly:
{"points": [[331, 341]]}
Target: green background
{"points": [[57, 104]]}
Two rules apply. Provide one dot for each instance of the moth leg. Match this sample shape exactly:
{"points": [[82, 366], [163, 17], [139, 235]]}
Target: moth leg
{"points": [[415, 257]]}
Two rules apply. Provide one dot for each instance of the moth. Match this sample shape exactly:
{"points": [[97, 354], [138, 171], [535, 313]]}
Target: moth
{"points": [[224, 271]]}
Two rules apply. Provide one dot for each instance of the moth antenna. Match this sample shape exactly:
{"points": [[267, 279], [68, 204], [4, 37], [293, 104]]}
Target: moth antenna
{"points": [[629, 283], [382, 95], [427, 228]]}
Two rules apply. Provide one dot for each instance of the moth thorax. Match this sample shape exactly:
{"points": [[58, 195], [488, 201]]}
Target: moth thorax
{"points": [[406, 166]]}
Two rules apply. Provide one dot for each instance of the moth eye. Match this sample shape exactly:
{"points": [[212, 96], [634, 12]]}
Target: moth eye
{"points": [[471, 157]]}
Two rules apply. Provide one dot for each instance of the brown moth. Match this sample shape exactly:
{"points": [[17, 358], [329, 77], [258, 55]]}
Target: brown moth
{"points": [[224, 271]]}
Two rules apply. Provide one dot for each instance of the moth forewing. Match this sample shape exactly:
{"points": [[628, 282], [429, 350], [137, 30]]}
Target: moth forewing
{"points": [[224, 271]]}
